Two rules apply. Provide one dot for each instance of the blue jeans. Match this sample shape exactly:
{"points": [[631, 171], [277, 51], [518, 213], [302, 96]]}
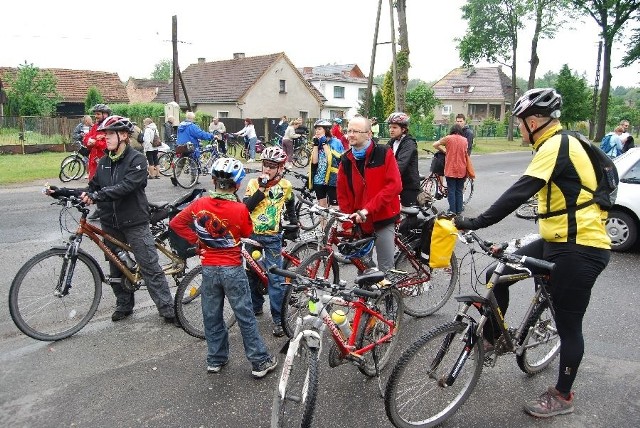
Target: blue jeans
{"points": [[272, 245], [230, 281], [252, 147], [455, 187]]}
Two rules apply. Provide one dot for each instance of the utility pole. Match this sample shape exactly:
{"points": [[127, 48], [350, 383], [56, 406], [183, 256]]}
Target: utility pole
{"points": [[176, 70], [369, 95], [596, 86], [393, 61]]}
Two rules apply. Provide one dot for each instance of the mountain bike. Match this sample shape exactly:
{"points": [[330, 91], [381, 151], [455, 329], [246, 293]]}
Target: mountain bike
{"points": [[307, 219], [528, 210], [57, 292], [439, 371], [368, 341], [187, 167], [301, 153], [434, 187], [188, 305], [73, 167], [165, 161]]}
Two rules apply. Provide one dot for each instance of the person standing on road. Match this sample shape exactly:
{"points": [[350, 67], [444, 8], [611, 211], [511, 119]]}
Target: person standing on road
{"points": [[454, 146], [572, 233], [368, 187], [466, 131], [287, 139], [217, 128], [281, 127], [405, 149], [170, 132], [189, 132], [94, 140], [216, 224], [250, 137], [325, 159], [150, 131]]}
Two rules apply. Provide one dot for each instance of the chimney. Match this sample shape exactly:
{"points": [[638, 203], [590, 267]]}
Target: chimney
{"points": [[201, 60], [238, 55]]}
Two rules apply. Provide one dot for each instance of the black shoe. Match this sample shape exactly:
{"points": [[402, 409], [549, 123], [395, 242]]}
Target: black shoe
{"points": [[172, 320], [258, 312], [278, 331], [120, 315]]}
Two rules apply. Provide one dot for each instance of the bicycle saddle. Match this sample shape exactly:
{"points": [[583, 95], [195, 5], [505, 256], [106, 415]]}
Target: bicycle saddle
{"points": [[369, 277]]}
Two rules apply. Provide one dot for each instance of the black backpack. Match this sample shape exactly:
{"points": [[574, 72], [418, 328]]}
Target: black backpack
{"points": [[606, 175], [140, 137]]}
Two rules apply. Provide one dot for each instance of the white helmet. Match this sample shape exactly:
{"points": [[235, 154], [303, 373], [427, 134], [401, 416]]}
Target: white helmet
{"points": [[273, 154], [228, 169]]}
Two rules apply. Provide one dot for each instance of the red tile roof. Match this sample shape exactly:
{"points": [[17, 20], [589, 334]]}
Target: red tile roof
{"points": [[477, 83]]}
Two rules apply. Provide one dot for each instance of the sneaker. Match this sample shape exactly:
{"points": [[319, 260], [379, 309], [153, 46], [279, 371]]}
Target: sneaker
{"points": [[216, 368], [550, 403], [278, 331], [120, 315], [264, 367]]}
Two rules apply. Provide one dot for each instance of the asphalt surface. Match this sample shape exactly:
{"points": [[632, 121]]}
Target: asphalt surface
{"points": [[141, 372]]}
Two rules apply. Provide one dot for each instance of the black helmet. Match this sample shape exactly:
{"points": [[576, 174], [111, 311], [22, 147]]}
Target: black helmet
{"points": [[543, 101], [116, 123], [103, 108]]}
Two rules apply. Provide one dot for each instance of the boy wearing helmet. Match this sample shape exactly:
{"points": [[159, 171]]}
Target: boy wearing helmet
{"points": [[266, 197], [94, 140], [405, 149], [571, 229], [217, 224], [325, 159]]}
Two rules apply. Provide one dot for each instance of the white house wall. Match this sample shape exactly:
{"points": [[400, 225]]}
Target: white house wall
{"points": [[349, 104]]}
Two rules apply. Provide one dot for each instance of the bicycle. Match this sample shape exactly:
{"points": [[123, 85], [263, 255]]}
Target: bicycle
{"points": [[439, 371], [433, 187], [165, 161], [307, 219], [424, 290], [368, 342], [301, 153], [73, 167], [528, 210], [187, 303], [57, 311], [187, 168]]}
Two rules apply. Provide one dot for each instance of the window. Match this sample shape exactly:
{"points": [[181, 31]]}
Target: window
{"points": [[304, 115], [458, 89], [338, 92], [362, 93], [336, 113], [283, 86], [446, 109], [222, 114]]}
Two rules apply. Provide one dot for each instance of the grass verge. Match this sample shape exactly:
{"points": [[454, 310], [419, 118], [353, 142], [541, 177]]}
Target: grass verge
{"points": [[24, 168]]}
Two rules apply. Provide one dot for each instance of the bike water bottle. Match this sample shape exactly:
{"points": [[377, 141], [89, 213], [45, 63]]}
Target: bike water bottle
{"points": [[340, 318], [127, 260]]}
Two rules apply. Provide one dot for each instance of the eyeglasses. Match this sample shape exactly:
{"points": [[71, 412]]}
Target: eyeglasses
{"points": [[355, 131], [270, 165]]}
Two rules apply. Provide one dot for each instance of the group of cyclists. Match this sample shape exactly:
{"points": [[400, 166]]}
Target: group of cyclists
{"points": [[370, 181]]}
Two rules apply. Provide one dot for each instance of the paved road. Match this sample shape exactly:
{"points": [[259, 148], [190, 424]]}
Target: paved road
{"points": [[141, 372]]}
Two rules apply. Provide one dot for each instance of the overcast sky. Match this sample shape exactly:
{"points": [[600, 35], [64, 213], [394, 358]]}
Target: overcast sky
{"points": [[131, 37]]}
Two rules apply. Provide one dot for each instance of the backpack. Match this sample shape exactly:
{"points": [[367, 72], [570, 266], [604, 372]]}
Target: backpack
{"points": [[605, 144], [140, 136], [156, 139], [606, 176]]}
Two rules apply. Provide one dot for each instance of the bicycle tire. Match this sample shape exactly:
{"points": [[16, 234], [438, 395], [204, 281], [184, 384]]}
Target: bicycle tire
{"points": [[34, 308], [188, 305], [541, 328], [390, 304], [164, 164], [300, 377], [71, 168], [467, 191], [307, 219], [185, 171], [430, 186], [527, 211], [426, 298], [301, 157], [300, 251], [297, 304], [415, 395], [231, 149]]}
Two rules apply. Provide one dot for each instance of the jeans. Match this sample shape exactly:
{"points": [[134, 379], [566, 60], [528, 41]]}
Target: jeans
{"points": [[230, 281], [252, 147], [455, 187], [272, 245], [144, 250]]}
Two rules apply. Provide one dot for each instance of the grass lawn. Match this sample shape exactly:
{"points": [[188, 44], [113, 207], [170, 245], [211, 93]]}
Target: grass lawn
{"points": [[24, 168]]}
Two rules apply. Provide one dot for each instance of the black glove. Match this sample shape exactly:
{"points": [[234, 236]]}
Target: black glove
{"points": [[462, 223], [316, 141], [63, 192]]}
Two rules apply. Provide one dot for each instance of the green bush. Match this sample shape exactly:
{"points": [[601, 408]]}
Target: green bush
{"points": [[138, 110]]}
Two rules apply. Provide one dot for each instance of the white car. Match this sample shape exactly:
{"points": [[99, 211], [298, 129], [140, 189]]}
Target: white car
{"points": [[624, 218]]}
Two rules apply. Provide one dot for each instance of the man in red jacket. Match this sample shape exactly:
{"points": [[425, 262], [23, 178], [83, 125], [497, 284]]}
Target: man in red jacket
{"points": [[95, 140], [376, 205]]}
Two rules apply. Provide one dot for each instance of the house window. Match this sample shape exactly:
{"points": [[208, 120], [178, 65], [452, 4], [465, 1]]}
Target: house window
{"points": [[336, 113], [283, 86], [446, 109], [338, 92], [458, 89], [222, 114], [304, 115], [362, 93]]}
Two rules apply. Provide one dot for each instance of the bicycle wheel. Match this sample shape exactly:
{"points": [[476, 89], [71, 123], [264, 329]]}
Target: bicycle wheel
{"points": [[528, 210], [71, 168], [164, 164], [300, 251], [188, 305], [467, 191], [423, 298], [371, 329], [307, 219], [540, 340], [297, 304], [417, 394], [231, 149], [185, 171], [301, 157], [206, 160], [430, 186], [295, 396], [35, 303]]}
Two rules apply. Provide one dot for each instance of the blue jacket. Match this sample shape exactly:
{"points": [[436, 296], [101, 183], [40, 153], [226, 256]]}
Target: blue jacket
{"points": [[189, 131]]}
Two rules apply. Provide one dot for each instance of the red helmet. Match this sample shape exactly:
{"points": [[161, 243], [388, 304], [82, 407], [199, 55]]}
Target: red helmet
{"points": [[116, 123], [398, 118]]}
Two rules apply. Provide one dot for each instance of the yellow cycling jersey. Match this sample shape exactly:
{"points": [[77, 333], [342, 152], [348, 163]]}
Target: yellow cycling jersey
{"points": [[266, 216], [568, 172]]}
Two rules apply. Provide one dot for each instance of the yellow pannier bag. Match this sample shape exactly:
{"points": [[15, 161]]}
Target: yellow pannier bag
{"points": [[443, 241]]}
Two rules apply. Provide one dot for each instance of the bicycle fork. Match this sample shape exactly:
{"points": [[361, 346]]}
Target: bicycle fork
{"points": [[68, 267], [470, 338]]}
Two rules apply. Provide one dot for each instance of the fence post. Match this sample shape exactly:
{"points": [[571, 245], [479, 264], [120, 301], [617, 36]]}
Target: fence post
{"points": [[21, 133]]}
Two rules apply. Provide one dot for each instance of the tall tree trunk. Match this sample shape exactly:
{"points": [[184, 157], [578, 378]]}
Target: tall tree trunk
{"points": [[403, 56], [514, 87], [535, 60], [606, 89]]}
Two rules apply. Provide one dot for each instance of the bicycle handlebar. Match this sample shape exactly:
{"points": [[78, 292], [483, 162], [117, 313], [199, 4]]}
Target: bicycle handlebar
{"points": [[329, 211], [306, 282]]}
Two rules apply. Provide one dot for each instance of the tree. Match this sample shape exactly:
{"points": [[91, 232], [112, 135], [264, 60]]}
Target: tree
{"points": [[32, 92], [547, 81], [388, 98], [611, 16], [163, 70], [633, 53], [420, 101], [93, 97], [402, 57], [492, 35], [576, 97]]}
